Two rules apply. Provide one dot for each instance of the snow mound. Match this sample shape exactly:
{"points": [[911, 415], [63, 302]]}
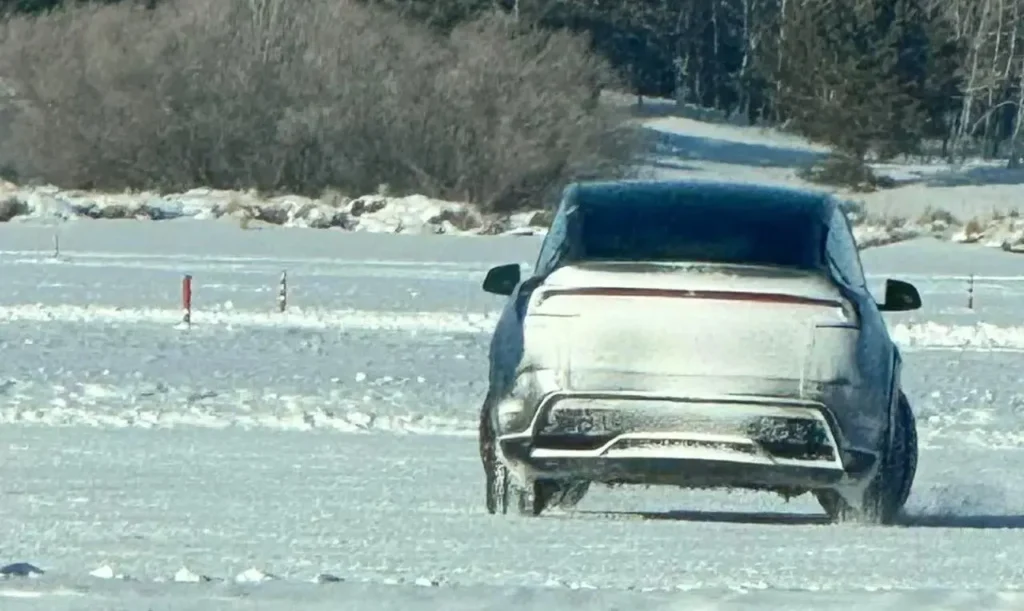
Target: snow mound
{"points": [[883, 234], [107, 572], [253, 575], [185, 575], [368, 213], [418, 214], [1003, 232]]}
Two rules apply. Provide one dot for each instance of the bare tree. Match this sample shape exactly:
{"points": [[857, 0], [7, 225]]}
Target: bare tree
{"points": [[269, 95]]}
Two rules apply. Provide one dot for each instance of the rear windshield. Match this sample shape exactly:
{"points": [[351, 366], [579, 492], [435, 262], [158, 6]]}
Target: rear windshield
{"points": [[702, 230]]}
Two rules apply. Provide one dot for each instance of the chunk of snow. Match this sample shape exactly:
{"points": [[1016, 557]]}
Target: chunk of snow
{"points": [[360, 419], [253, 575], [371, 213], [184, 575], [106, 572]]}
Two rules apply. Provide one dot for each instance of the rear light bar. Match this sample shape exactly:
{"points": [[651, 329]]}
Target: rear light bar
{"points": [[690, 294]]}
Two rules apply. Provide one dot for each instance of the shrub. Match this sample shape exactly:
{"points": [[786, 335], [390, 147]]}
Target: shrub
{"points": [[839, 170], [301, 97]]}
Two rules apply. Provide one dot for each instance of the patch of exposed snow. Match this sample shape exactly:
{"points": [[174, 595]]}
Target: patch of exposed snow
{"points": [[185, 575], [253, 575], [973, 200], [107, 572], [415, 214], [369, 213], [872, 235]]}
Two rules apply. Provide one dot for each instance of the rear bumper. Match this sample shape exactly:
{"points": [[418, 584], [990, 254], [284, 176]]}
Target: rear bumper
{"points": [[702, 441]]}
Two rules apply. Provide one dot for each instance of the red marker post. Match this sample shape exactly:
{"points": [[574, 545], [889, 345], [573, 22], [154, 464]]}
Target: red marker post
{"points": [[186, 300]]}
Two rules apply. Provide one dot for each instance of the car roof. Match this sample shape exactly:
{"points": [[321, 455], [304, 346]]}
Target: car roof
{"points": [[735, 196]]}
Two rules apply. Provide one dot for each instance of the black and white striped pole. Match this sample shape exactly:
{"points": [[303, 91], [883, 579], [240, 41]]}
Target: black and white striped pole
{"points": [[282, 292]]}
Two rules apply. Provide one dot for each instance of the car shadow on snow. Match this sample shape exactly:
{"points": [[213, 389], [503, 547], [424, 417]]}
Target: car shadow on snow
{"points": [[978, 521], [806, 519], [726, 517]]}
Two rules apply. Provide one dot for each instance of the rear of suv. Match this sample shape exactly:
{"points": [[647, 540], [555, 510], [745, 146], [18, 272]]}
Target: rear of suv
{"points": [[699, 335]]}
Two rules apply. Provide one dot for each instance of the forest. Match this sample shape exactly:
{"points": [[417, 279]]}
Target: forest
{"points": [[868, 76]]}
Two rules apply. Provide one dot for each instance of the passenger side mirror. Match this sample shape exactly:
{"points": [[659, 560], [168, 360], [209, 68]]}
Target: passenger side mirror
{"points": [[502, 280], [900, 297]]}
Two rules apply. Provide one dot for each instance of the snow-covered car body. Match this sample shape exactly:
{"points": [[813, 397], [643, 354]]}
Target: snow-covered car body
{"points": [[693, 334]]}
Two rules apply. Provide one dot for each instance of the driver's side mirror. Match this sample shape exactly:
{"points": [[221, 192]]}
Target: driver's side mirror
{"points": [[900, 297], [502, 280]]}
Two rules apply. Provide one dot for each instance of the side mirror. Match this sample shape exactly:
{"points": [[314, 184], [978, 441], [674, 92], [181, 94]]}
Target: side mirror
{"points": [[502, 280], [900, 297]]}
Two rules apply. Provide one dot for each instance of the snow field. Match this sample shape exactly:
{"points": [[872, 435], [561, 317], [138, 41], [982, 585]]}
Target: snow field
{"points": [[325, 458], [113, 516], [976, 201], [94, 337], [132, 449]]}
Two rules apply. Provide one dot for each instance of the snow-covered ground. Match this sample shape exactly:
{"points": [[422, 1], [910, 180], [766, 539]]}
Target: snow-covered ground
{"points": [[275, 454], [974, 201]]}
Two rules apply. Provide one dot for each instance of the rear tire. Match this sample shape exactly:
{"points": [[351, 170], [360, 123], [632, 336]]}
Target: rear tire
{"points": [[501, 492], [504, 495], [889, 490]]}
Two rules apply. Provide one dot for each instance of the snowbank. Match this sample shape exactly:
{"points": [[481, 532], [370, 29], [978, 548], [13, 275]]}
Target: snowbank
{"points": [[997, 231], [418, 214], [369, 213]]}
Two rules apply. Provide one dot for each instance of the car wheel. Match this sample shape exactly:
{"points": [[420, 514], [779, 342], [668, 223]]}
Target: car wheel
{"points": [[496, 476], [504, 495], [888, 492]]}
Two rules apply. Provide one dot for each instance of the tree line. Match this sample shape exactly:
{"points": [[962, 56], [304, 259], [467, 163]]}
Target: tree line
{"points": [[883, 77], [870, 77], [311, 97]]}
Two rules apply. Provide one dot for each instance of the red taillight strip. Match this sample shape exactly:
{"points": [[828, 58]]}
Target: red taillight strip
{"points": [[690, 294]]}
